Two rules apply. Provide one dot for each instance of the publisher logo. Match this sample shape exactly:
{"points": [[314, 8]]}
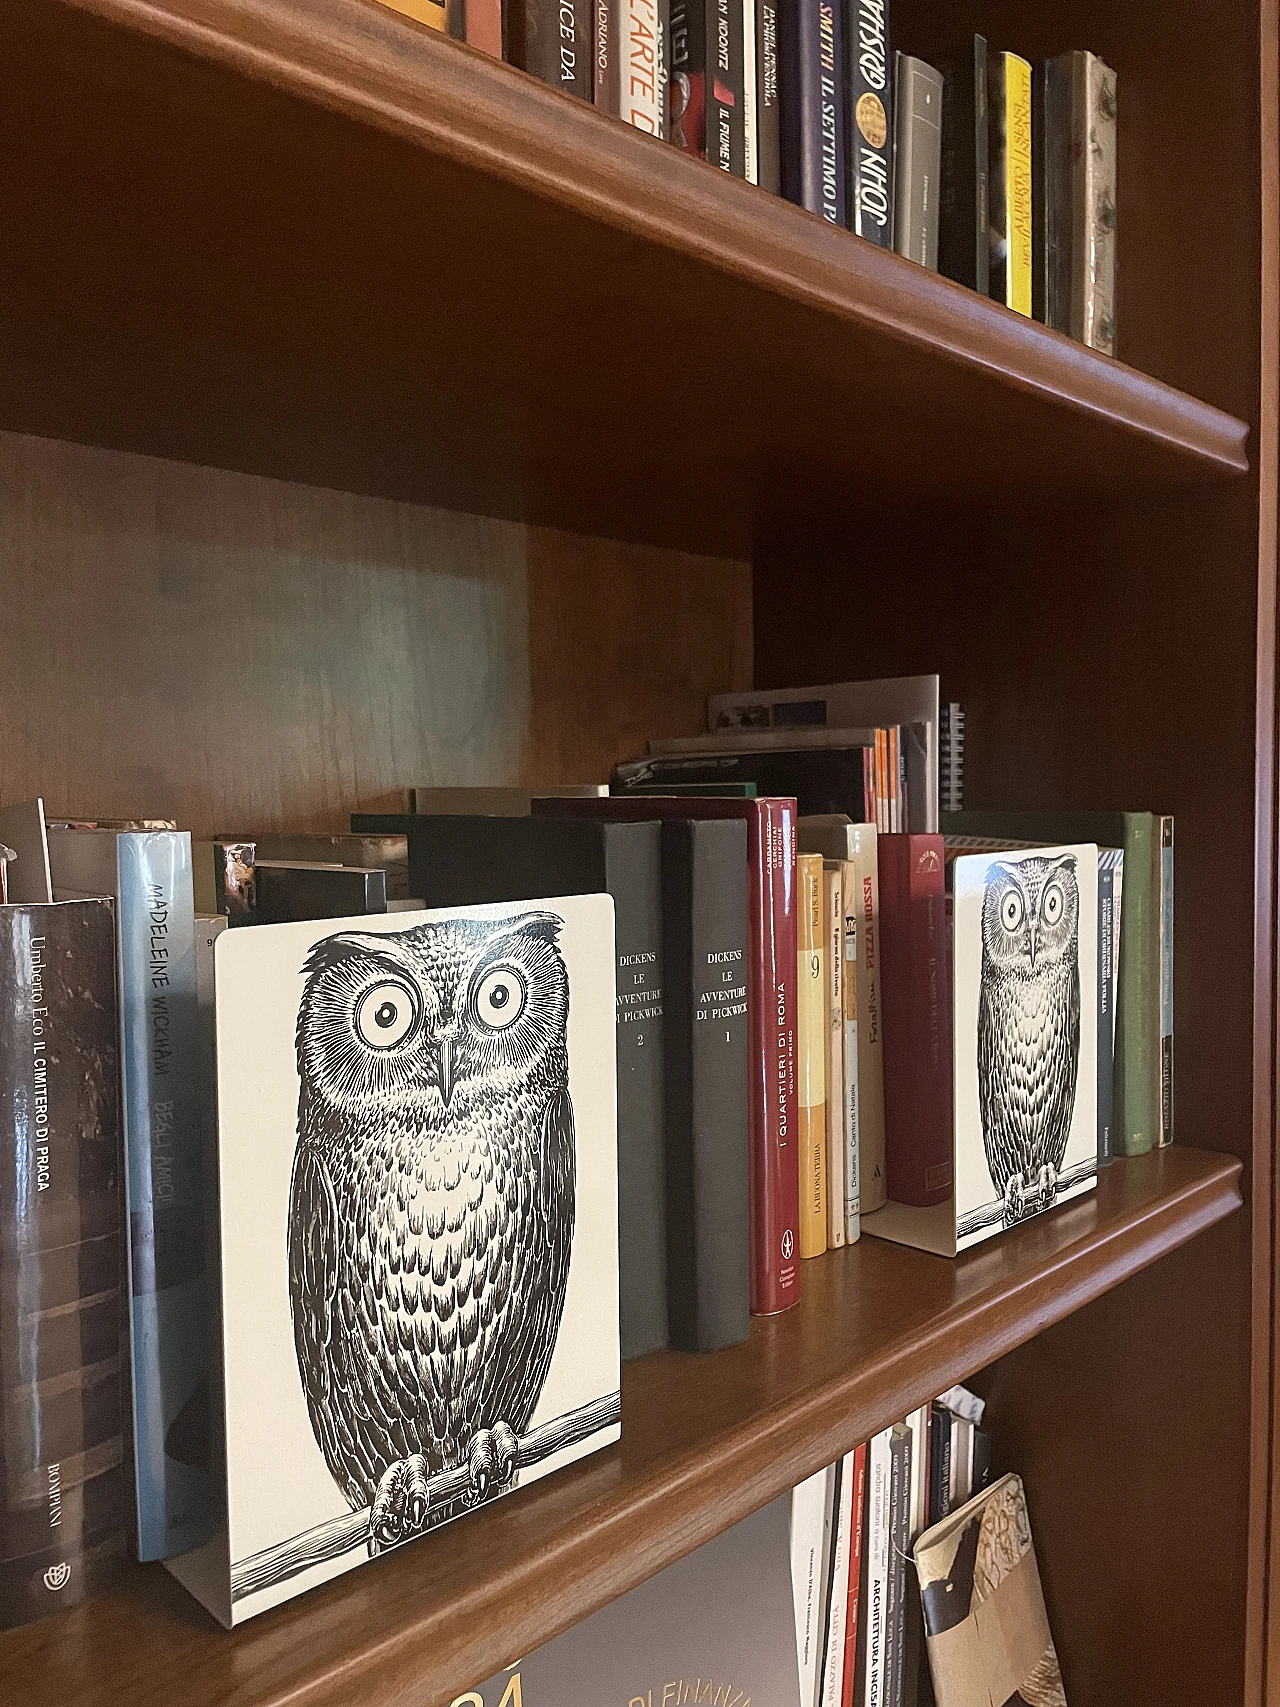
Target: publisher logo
{"points": [[57, 1576], [872, 122], [788, 1245]]}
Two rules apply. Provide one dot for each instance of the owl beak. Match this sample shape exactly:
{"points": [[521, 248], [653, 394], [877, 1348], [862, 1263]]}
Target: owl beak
{"points": [[444, 1071], [1033, 950]]}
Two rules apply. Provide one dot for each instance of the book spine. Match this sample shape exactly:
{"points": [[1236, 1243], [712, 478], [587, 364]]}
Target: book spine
{"points": [[811, 1055], [1093, 202], [707, 78], [63, 1500], [175, 1485], [810, 1514], [832, 1692], [1106, 1008], [604, 59], [706, 949], [833, 1014], [433, 13], [750, 94], [687, 118], [917, 998], [664, 70], [896, 1583], [1166, 980], [552, 39], [768, 107], [813, 148], [917, 170], [940, 1463], [634, 875], [638, 68], [872, 1170], [873, 1650], [857, 1530], [1138, 1010], [964, 216], [851, 1112], [1010, 158], [869, 83], [775, 1172], [1052, 142], [483, 26]]}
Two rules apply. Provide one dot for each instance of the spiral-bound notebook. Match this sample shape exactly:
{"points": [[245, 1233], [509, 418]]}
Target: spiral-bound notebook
{"points": [[985, 1622]]}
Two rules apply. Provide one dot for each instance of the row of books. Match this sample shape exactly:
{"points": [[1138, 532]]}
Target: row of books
{"points": [[1001, 174], [894, 1547]]}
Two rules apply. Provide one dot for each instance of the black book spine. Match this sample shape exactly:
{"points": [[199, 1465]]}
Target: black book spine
{"points": [[63, 1303], [664, 69], [768, 98], [820, 779], [940, 1463], [705, 949], [707, 94], [895, 1628], [605, 56], [553, 40], [981, 1460], [813, 140], [868, 81], [963, 243], [633, 876]]}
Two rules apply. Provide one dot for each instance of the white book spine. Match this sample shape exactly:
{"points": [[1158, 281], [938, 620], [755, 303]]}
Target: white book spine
{"points": [[638, 82], [838, 1600], [749, 99], [849, 995], [874, 1652], [810, 1514], [837, 1184]]}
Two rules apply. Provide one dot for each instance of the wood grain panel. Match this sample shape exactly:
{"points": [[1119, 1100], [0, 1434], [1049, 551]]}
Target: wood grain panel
{"points": [[408, 266], [705, 1441], [241, 653]]}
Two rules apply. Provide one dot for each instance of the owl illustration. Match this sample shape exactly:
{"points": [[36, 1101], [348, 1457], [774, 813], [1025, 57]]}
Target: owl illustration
{"points": [[431, 1211], [1028, 1026]]}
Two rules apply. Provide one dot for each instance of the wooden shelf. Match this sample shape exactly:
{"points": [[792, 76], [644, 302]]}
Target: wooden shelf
{"points": [[309, 238], [705, 1442]]}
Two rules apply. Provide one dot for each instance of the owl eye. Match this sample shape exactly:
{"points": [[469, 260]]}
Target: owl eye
{"points": [[499, 998], [1051, 905], [387, 1014], [1011, 910]]}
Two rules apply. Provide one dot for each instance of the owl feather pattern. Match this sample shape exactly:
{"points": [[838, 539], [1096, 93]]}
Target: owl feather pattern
{"points": [[1028, 1026], [431, 1204]]}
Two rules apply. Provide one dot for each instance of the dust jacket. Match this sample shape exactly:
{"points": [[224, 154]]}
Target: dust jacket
{"points": [[417, 1166]]}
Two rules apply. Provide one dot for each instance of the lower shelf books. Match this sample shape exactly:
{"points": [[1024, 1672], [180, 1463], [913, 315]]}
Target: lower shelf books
{"points": [[859, 1632]]}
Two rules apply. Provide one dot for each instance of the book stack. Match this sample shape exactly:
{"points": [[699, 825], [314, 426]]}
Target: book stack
{"points": [[894, 1548], [999, 173]]}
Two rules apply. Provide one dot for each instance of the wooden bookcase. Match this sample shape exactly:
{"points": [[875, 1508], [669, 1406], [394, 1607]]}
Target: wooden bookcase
{"points": [[372, 415]]}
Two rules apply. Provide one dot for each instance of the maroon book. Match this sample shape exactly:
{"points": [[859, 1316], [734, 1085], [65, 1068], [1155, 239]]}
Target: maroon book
{"points": [[916, 987], [771, 997]]}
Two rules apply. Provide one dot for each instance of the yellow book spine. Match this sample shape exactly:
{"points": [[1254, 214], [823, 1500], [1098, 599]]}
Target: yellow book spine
{"points": [[811, 1055], [1017, 95], [833, 948], [433, 12]]}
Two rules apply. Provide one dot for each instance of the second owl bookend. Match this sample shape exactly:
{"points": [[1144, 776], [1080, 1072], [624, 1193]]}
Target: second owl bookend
{"points": [[1007, 1016], [417, 1162]]}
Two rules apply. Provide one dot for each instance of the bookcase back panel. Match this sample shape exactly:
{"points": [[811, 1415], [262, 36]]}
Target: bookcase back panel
{"points": [[242, 653]]}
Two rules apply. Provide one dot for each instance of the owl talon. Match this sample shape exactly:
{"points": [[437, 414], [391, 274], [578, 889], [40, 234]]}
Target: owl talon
{"points": [[401, 1504], [491, 1460], [1048, 1185], [1013, 1200]]}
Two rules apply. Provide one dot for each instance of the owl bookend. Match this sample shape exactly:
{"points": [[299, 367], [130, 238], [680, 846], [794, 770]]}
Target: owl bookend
{"points": [[418, 1167], [1024, 1044]]}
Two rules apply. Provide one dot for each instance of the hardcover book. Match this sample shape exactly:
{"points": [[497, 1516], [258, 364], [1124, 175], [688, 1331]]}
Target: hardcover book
{"points": [[813, 117], [417, 1158], [64, 1510], [552, 39], [1009, 106], [768, 99], [841, 1194], [964, 252], [985, 1621], [811, 1055], [1079, 153], [148, 874], [917, 163], [707, 91], [869, 125], [289, 890], [771, 1002]]}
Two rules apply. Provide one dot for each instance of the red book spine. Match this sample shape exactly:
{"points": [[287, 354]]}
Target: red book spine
{"points": [[856, 1527], [915, 978], [484, 25], [775, 1152]]}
